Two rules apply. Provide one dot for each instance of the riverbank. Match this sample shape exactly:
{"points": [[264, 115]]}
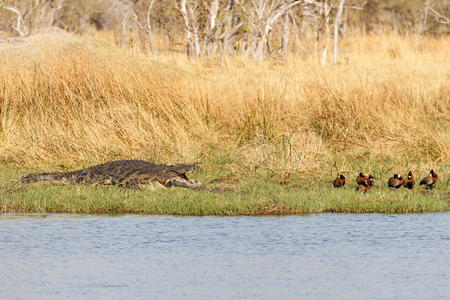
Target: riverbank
{"points": [[219, 197], [271, 135]]}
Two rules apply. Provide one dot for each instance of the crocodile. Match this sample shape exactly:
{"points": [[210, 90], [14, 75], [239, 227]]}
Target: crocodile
{"points": [[128, 173]]}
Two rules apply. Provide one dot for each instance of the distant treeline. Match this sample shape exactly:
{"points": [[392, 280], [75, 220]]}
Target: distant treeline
{"points": [[257, 28]]}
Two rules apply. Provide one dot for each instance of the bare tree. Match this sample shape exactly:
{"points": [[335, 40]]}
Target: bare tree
{"points": [[318, 14], [209, 26], [195, 26], [285, 34], [230, 27], [439, 17], [324, 31], [19, 20], [263, 15], [32, 15], [337, 24], [210, 41], [255, 28], [147, 28], [187, 28]]}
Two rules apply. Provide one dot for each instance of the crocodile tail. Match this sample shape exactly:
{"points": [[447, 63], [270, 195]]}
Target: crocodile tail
{"points": [[37, 177]]}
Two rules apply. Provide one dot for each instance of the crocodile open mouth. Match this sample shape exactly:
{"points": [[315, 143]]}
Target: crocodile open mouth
{"points": [[182, 181]]}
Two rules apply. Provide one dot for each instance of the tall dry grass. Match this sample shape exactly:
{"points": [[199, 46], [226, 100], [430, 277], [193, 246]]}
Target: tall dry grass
{"points": [[70, 101]]}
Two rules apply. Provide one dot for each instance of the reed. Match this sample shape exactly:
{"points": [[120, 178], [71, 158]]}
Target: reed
{"points": [[67, 102]]}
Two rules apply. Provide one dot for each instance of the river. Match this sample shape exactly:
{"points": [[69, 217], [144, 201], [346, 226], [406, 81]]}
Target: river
{"points": [[327, 256]]}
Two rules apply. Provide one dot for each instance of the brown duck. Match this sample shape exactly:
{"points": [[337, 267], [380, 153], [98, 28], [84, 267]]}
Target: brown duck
{"points": [[339, 181], [396, 181], [430, 180], [366, 185], [409, 182], [361, 179]]}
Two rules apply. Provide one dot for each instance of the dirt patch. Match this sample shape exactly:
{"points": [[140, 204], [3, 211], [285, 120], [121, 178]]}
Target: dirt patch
{"points": [[226, 180], [221, 190]]}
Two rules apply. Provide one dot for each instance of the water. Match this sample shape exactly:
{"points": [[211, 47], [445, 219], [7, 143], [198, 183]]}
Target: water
{"points": [[151, 257]]}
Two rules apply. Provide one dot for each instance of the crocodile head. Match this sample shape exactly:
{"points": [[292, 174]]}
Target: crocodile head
{"points": [[175, 175], [182, 181]]}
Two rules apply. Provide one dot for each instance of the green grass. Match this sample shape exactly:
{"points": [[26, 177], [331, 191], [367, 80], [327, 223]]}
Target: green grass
{"points": [[253, 196]]}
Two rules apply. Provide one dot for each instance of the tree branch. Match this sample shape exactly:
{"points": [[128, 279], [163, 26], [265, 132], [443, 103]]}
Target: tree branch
{"points": [[441, 19], [19, 19]]}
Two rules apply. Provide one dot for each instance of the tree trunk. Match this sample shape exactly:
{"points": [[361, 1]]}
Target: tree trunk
{"points": [[326, 37], [344, 23], [319, 42], [425, 17], [337, 24], [259, 50], [196, 39], [327, 42], [149, 29], [269, 43], [211, 39], [227, 28], [285, 35], [265, 22], [187, 30]]}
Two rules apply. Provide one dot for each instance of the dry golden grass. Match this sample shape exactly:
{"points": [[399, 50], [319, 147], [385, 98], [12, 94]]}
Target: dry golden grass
{"points": [[68, 102]]}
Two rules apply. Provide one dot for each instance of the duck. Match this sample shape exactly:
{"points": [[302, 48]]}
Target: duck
{"points": [[368, 183], [361, 179], [430, 180], [409, 182], [396, 181], [339, 181]]}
